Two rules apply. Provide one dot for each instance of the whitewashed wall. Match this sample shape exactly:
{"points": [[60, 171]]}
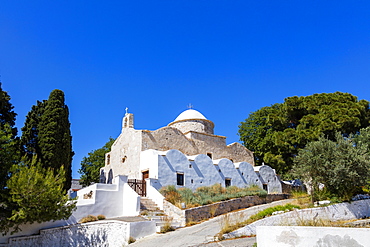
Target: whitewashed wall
{"points": [[304, 236], [201, 170], [101, 233], [341, 211], [111, 200]]}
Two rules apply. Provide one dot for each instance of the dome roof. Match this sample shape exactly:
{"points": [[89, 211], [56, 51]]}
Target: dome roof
{"points": [[190, 114]]}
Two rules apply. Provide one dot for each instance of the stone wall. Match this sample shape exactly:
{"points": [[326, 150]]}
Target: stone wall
{"points": [[205, 212]]}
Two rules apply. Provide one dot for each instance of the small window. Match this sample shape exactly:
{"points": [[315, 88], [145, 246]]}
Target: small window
{"points": [[209, 155], [265, 187], [192, 181], [124, 159], [108, 159], [180, 179], [190, 166], [227, 182], [232, 160]]}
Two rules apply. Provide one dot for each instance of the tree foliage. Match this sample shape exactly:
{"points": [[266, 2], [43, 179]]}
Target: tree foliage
{"points": [[340, 165], [276, 134], [9, 147], [46, 135], [90, 165], [7, 115], [30, 190], [36, 195]]}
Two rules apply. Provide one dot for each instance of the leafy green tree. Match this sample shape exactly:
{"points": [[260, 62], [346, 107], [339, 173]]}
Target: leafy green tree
{"points": [[36, 195], [90, 165], [276, 134], [363, 138], [340, 165], [47, 136]]}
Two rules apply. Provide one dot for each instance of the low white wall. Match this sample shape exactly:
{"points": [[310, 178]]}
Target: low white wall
{"points": [[304, 236], [152, 187], [341, 211], [111, 200], [101, 233]]}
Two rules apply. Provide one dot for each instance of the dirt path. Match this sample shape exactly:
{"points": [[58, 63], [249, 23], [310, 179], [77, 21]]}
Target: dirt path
{"points": [[203, 233]]}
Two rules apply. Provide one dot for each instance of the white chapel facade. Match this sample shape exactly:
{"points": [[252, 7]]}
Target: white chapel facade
{"points": [[185, 153]]}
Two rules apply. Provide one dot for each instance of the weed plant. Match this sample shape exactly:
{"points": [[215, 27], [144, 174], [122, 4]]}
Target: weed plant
{"points": [[228, 226], [207, 194], [89, 218]]}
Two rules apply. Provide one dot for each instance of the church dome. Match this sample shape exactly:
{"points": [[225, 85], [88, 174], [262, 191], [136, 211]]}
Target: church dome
{"points": [[190, 114], [192, 120]]}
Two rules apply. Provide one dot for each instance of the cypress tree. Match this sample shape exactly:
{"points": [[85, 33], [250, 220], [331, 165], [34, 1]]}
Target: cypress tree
{"points": [[55, 140], [7, 115], [8, 150], [30, 130], [46, 135]]}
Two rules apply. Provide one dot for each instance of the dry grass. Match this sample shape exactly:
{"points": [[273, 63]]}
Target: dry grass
{"points": [[89, 218], [131, 240], [301, 199], [167, 225], [229, 225]]}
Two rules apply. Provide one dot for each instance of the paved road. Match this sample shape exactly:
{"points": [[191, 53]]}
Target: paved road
{"points": [[203, 233]]}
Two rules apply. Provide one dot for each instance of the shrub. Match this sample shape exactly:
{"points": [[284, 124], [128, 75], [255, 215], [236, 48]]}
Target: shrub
{"points": [[167, 225], [131, 240], [207, 194], [89, 218], [100, 217]]}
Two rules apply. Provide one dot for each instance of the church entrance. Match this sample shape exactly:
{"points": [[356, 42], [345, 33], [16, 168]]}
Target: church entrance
{"points": [[139, 186], [145, 174]]}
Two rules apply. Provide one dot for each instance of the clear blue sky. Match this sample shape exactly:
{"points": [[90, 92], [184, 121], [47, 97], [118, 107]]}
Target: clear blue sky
{"points": [[227, 58]]}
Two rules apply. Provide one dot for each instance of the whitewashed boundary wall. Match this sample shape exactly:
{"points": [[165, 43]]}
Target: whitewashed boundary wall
{"points": [[305, 236], [102, 233], [341, 211], [111, 200]]}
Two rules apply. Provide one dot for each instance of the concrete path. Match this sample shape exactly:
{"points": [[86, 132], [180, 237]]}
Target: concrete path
{"points": [[203, 233]]}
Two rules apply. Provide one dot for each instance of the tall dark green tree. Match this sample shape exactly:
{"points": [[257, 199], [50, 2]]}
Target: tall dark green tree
{"points": [[9, 154], [90, 165], [7, 115], [275, 134], [30, 132], [46, 135]]}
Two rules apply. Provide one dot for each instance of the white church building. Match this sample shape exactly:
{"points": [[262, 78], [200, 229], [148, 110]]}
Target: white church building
{"points": [[185, 153]]}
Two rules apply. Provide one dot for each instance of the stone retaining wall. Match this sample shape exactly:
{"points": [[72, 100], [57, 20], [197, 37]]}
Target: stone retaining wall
{"points": [[205, 212]]}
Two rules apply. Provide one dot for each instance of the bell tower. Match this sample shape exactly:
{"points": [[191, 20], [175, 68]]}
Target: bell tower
{"points": [[128, 120]]}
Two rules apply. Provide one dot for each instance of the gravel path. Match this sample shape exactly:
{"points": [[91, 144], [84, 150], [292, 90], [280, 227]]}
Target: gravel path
{"points": [[203, 233]]}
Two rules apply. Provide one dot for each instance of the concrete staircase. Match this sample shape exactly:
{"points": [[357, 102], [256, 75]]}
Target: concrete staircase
{"points": [[151, 211]]}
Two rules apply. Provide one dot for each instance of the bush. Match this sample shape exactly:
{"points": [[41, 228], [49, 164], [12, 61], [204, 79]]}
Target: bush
{"points": [[100, 217], [207, 194], [89, 218]]}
